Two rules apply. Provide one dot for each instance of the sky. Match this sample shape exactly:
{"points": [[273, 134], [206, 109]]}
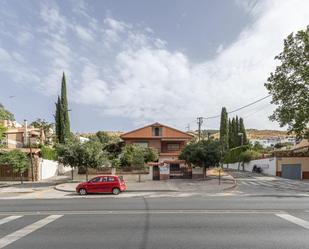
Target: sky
{"points": [[131, 63]]}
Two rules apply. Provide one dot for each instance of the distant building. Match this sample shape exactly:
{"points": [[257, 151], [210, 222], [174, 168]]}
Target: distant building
{"points": [[19, 136], [272, 141], [83, 139]]}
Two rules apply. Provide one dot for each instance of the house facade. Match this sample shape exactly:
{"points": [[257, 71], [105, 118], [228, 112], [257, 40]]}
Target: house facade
{"points": [[168, 142], [19, 136], [294, 163], [290, 164]]}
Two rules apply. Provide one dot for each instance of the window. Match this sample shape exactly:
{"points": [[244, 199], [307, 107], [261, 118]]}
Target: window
{"points": [[173, 147], [143, 144], [156, 131], [97, 179], [110, 179]]}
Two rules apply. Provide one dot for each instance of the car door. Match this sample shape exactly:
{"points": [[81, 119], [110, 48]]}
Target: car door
{"points": [[103, 185], [110, 184], [93, 185]]}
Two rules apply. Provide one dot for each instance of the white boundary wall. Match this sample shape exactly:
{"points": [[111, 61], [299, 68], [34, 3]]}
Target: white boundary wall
{"points": [[267, 164], [49, 168]]}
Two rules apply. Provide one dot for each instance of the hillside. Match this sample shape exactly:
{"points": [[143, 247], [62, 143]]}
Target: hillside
{"points": [[260, 134], [252, 133]]}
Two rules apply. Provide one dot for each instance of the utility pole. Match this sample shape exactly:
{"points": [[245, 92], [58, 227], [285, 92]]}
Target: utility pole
{"points": [[188, 127], [199, 123]]}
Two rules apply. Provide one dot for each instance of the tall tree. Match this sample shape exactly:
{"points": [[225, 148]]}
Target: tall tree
{"points": [[204, 153], [62, 120], [242, 130], [59, 121], [231, 134], [2, 134], [224, 131], [289, 84], [65, 109], [18, 160], [45, 128], [82, 155], [5, 114], [236, 133]]}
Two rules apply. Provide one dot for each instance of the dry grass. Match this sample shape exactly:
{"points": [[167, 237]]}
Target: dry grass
{"points": [[215, 171]]}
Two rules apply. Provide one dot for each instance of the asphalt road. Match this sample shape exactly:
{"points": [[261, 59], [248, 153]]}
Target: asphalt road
{"points": [[221, 222]]}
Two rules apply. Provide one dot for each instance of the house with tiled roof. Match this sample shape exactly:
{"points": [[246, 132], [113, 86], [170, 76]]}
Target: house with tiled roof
{"points": [[168, 142]]}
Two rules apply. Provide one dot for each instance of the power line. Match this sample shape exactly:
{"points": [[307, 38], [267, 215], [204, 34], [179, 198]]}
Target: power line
{"points": [[240, 108], [258, 110]]}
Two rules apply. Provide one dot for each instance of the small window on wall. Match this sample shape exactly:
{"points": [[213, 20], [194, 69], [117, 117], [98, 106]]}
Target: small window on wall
{"points": [[173, 147], [157, 131], [143, 144]]}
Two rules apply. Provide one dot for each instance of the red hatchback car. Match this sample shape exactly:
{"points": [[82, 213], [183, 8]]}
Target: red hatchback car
{"points": [[102, 184]]}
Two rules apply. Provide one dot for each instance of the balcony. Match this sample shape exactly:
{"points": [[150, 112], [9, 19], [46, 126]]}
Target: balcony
{"points": [[170, 153]]}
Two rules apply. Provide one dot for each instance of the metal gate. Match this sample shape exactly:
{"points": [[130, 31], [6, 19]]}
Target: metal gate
{"points": [[155, 173], [291, 171]]}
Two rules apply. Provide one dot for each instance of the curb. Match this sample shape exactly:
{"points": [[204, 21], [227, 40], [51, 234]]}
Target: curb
{"points": [[63, 190], [128, 191], [9, 185]]}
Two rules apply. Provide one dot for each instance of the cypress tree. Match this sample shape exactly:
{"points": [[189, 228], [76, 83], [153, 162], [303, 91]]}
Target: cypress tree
{"points": [[57, 119], [243, 131], [232, 134], [65, 110], [236, 133], [224, 131], [62, 120]]}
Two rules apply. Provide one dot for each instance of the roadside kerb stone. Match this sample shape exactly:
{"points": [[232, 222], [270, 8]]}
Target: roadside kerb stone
{"points": [[211, 185]]}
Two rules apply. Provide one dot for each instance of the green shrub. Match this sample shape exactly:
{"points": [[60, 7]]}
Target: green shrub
{"points": [[249, 155], [233, 155], [49, 153]]}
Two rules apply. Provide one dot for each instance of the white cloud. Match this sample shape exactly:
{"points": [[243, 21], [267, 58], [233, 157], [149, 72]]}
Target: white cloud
{"points": [[4, 55], [24, 37], [155, 84], [126, 71], [84, 34]]}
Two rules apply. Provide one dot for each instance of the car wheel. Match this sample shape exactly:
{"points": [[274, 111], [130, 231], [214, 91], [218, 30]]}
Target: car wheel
{"points": [[82, 191], [116, 191]]}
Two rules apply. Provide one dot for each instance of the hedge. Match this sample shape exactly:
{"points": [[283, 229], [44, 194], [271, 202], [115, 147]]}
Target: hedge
{"points": [[233, 155]]}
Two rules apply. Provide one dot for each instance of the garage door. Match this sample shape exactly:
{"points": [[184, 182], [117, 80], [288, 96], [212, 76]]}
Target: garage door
{"points": [[291, 171]]}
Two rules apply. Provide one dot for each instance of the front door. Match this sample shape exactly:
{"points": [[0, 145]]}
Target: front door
{"points": [[175, 171], [156, 173]]}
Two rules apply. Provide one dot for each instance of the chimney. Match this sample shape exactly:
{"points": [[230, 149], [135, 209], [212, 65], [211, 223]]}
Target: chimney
{"points": [[25, 132]]}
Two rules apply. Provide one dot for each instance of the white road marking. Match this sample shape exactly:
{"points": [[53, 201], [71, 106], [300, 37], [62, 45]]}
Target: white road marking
{"points": [[295, 220], [244, 183], [10, 238], [266, 184], [254, 183], [8, 219], [158, 211]]}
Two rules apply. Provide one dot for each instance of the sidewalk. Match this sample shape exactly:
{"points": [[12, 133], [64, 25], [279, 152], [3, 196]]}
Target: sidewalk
{"points": [[210, 185], [29, 187]]}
